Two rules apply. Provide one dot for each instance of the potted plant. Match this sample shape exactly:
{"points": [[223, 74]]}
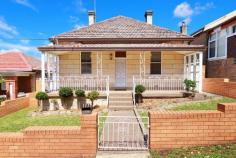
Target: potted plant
{"points": [[139, 89], [81, 97], [93, 96], [190, 86], [42, 97], [66, 95]]}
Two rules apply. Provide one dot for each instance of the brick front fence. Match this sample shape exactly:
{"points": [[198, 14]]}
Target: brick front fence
{"points": [[184, 129], [218, 86], [52, 142]]}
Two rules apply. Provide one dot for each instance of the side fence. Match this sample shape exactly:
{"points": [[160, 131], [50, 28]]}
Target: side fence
{"points": [[53, 142], [218, 86], [17, 104], [185, 129]]}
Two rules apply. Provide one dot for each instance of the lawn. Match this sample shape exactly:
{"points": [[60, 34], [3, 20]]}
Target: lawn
{"points": [[213, 151], [17, 121], [203, 105]]}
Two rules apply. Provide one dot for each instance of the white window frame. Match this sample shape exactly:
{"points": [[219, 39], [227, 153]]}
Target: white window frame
{"points": [[216, 31]]}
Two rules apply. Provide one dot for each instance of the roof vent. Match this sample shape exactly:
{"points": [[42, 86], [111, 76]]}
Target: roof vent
{"points": [[92, 17], [184, 28], [148, 16]]}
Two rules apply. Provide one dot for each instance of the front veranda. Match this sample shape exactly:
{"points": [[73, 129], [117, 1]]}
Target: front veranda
{"points": [[160, 71]]}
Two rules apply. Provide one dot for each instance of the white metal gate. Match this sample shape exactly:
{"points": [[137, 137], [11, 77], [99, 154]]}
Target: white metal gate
{"points": [[123, 133]]}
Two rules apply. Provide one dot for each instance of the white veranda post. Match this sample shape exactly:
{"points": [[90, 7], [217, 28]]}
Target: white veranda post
{"points": [[43, 71], [99, 64], [193, 68], [142, 64]]}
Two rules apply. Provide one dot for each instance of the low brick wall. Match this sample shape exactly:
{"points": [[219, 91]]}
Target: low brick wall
{"points": [[218, 86], [10, 106], [52, 142], [185, 129]]}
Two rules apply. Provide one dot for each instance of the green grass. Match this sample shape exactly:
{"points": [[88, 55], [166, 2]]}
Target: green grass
{"points": [[203, 105], [102, 121], [213, 151], [144, 116], [17, 121]]}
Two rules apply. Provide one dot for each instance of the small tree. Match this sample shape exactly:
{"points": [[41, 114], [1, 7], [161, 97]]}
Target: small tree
{"points": [[190, 85], [80, 93], [139, 89], [41, 97], [66, 97], [2, 79], [93, 96]]}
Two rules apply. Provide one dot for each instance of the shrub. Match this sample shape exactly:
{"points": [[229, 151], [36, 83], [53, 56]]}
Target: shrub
{"points": [[2, 99], [65, 92], [80, 93], [190, 84], [139, 89], [93, 96], [41, 96]]}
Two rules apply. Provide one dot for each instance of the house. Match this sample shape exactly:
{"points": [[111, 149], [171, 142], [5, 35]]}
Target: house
{"points": [[119, 53], [20, 72], [220, 38]]}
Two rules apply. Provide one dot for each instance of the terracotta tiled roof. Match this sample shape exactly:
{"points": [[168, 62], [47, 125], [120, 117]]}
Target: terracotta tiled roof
{"points": [[139, 46], [122, 27], [18, 61]]}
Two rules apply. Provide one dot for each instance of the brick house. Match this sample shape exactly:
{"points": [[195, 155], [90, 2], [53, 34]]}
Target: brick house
{"points": [[20, 71], [119, 53], [220, 38]]}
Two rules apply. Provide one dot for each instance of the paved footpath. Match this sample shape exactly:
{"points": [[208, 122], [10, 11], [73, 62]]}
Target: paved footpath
{"points": [[121, 154], [122, 131]]}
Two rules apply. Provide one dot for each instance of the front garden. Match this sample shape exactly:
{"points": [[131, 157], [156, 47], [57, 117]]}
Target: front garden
{"points": [[213, 151], [17, 121]]}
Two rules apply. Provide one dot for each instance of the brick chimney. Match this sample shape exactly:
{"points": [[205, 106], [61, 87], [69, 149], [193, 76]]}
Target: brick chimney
{"points": [[92, 17], [184, 28], [148, 16]]}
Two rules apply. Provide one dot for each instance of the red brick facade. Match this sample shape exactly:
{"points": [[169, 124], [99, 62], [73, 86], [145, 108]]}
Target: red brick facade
{"points": [[52, 142], [184, 129]]}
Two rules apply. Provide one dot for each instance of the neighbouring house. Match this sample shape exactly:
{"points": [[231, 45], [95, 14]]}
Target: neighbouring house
{"points": [[119, 53], [20, 72], [219, 37]]}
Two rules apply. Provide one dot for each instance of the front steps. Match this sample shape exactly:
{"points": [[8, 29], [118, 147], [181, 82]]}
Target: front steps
{"points": [[120, 100]]}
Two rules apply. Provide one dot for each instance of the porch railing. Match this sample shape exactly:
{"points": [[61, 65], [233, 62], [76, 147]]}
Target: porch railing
{"points": [[87, 83], [160, 82]]}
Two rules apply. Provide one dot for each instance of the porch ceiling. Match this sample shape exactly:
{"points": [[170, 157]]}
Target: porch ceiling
{"points": [[144, 47]]}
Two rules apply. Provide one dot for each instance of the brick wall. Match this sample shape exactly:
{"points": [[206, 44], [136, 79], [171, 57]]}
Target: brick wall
{"points": [[52, 142], [218, 86], [185, 129], [10, 106]]}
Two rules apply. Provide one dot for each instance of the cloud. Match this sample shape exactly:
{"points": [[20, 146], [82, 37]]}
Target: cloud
{"points": [[78, 26], [73, 19], [185, 11], [26, 3], [6, 30], [79, 6], [17, 47]]}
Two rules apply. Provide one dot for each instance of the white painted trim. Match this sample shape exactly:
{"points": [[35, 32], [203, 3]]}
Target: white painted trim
{"points": [[200, 71], [43, 71]]}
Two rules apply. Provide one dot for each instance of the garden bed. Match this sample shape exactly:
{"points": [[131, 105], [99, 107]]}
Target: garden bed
{"points": [[213, 151], [18, 121], [209, 103]]}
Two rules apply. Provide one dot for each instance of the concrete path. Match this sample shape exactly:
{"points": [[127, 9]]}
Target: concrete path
{"points": [[121, 132]]}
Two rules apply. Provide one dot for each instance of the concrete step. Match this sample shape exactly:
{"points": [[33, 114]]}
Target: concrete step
{"points": [[120, 107], [120, 102], [122, 154]]}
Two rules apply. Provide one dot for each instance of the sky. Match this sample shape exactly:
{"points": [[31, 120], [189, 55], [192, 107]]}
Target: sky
{"points": [[27, 24]]}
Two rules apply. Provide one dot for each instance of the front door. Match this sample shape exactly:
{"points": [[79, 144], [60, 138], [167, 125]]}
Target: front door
{"points": [[120, 73]]}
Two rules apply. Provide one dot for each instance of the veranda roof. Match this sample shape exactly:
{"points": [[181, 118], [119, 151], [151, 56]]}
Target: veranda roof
{"points": [[99, 47]]}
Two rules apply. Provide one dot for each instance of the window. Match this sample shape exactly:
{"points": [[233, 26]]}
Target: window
{"points": [[86, 65], [3, 86], [234, 29], [217, 43], [155, 63]]}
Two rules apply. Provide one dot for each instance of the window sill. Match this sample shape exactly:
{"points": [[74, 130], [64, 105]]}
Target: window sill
{"points": [[217, 58]]}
